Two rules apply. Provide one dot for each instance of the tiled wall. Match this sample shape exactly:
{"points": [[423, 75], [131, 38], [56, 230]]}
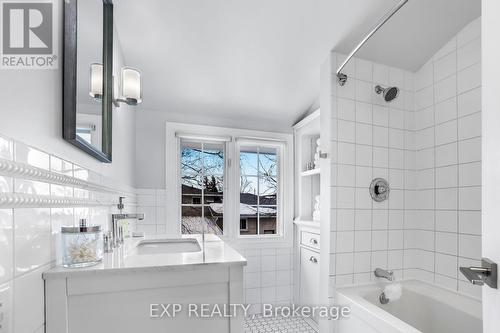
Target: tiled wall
{"points": [[153, 203], [268, 276], [427, 144], [369, 141], [443, 217], [29, 236]]}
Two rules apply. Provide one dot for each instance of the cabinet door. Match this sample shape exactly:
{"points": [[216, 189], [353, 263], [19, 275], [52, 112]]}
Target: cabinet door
{"points": [[309, 277]]}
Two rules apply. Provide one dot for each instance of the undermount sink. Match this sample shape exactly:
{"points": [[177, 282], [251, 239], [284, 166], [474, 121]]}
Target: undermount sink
{"points": [[165, 246]]}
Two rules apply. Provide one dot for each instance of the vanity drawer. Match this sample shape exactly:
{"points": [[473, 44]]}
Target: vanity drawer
{"points": [[309, 239]]}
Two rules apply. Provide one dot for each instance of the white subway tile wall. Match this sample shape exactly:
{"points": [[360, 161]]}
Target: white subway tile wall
{"points": [[29, 237], [427, 143]]}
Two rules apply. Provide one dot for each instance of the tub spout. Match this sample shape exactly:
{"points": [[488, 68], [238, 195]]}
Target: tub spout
{"points": [[382, 273]]}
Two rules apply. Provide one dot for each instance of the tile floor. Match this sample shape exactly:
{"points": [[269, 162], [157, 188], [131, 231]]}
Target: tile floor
{"points": [[259, 324]]}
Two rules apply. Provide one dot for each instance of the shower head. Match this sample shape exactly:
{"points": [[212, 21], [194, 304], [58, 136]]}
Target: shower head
{"points": [[389, 93]]}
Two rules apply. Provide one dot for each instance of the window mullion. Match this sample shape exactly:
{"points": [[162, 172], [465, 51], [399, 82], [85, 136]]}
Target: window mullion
{"points": [[258, 191], [202, 183]]}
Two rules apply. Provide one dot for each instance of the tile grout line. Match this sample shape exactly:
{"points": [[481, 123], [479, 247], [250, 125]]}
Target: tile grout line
{"points": [[434, 164], [457, 244]]}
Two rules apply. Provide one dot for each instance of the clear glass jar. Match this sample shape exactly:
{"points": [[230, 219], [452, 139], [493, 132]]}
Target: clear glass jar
{"points": [[81, 246]]}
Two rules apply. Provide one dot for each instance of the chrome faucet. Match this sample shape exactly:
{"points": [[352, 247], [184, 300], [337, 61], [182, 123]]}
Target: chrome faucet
{"points": [[116, 231], [382, 273]]}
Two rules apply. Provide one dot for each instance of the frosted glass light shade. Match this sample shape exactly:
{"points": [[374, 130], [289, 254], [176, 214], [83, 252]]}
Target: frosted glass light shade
{"points": [[131, 86], [95, 89]]}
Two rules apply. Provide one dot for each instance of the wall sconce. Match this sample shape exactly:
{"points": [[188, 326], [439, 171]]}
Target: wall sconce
{"points": [[95, 89], [128, 88]]}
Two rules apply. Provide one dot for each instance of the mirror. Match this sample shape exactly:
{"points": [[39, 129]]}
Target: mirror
{"points": [[88, 76]]}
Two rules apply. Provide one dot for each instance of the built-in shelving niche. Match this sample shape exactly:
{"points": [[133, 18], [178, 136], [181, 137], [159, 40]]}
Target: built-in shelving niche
{"points": [[307, 132]]}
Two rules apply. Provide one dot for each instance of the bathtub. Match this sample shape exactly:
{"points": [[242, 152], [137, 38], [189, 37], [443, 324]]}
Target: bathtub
{"points": [[422, 308]]}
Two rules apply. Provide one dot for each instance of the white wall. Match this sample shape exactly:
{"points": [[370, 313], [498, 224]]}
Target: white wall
{"points": [[31, 111], [150, 143], [31, 132], [491, 155]]}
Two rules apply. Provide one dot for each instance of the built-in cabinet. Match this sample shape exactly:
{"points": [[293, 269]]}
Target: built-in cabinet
{"points": [[309, 273], [307, 210], [307, 168]]}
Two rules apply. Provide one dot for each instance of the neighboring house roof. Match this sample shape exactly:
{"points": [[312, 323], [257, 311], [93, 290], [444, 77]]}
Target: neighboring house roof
{"points": [[245, 210], [246, 198], [190, 190]]}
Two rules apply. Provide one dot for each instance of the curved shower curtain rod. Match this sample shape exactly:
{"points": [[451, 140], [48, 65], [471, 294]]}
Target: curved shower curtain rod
{"points": [[341, 77]]}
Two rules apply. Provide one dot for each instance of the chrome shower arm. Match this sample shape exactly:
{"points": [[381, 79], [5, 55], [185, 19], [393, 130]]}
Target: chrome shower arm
{"points": [[368, 36]]}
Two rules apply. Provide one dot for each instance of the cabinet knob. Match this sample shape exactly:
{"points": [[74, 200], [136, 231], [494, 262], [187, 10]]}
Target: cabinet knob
{"points": [[313, 241], [313, 260]]}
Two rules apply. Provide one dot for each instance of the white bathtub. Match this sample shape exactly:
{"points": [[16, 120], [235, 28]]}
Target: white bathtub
{"points": [[422, 308]]}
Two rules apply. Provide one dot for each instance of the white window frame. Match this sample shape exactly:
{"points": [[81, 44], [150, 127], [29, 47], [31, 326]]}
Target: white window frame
{"points": [[232, 137], [279, 146], [202, 204]]}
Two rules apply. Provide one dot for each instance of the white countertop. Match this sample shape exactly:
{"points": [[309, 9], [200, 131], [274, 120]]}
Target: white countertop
{"points": [[123, 260]]}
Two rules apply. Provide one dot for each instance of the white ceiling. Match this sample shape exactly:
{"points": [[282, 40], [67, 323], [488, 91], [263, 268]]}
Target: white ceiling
{"points": [[415, 33], [250, 64]]}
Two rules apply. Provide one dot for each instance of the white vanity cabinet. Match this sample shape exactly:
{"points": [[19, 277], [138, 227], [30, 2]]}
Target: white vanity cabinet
{"points": [[122, 302], [139, 294]]}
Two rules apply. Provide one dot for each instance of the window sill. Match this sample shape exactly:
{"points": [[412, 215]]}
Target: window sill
{"points": [[245, 242]]}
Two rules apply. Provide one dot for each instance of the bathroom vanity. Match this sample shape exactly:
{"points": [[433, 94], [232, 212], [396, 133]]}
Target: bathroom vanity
{"points": [[147, 286]]}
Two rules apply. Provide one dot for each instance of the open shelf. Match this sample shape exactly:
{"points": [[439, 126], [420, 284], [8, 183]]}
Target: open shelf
{"points": [[310, 172], [308, 182]]}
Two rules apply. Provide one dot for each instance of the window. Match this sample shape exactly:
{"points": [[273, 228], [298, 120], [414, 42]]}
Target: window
{"points": [[259, 189], [202, 182], [235, 183], [243, 224]]}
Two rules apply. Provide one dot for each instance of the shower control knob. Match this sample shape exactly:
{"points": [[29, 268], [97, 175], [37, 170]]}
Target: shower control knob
{"points": [[379, 189]]}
